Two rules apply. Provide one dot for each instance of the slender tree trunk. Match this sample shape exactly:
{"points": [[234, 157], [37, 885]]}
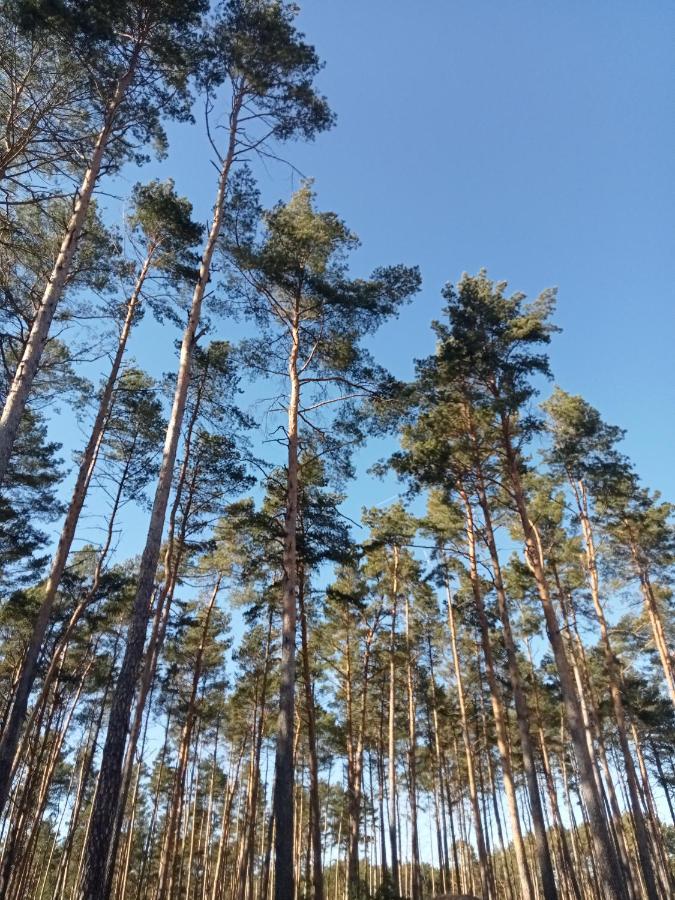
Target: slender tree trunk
{"points": [[443, 853], [284, 883], [228, 800], [381, 789], [61, 648], [614, 677], [663, 867], [391, 750], [124, 873], [85, 772], [498, 710], [567, 865], [15, 871], [664, 782], [105, 802], [166, 874], [13, 722], [520, 702], [246, 862], [654, 614], [488, 887], [173, 558], [412, 761], [317, 872], [608, 864], [27, 368]]}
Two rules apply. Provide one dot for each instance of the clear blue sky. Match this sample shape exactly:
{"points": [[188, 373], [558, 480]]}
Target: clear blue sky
{"points": [[531, 137]]}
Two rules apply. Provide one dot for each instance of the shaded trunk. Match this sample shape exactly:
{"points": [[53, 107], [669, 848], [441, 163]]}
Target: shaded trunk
{"points": [[284, 883], [315, 809]]}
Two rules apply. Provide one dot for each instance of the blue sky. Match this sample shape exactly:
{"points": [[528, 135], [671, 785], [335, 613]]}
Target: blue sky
{"points": [[535, 139], [532, 138]]}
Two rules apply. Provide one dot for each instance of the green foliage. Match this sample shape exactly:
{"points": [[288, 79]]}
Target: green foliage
{"points": [[254, 44], [583, 446], [163, 221], [491, 341], [28, 502]]}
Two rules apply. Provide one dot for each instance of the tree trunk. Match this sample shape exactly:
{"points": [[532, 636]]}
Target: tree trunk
{"points": [[614, 678], [488, 887], [284, 879], [26, 370], [412, 761], [654, 614], [520, 702], [173, 557], [391, 750], [13, 722], [105, 802], [315, 809], [166, 874], [498, 710], [248, 842], [608, 864]]}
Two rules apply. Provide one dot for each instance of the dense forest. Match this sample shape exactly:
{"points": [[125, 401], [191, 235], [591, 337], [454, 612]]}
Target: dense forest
{"points": [[469, 692]]}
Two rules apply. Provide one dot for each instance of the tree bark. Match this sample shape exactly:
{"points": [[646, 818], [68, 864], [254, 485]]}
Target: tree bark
{"points": [[26, 370], [14, 721], [315, 809], [608, 864], [488, 887], [284, 878], [105, 802]]}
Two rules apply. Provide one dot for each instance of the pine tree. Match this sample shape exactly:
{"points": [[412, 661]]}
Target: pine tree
{"points": [[163, 221], [294, 281], [139, 59], [492, 342], [584, 451]]}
